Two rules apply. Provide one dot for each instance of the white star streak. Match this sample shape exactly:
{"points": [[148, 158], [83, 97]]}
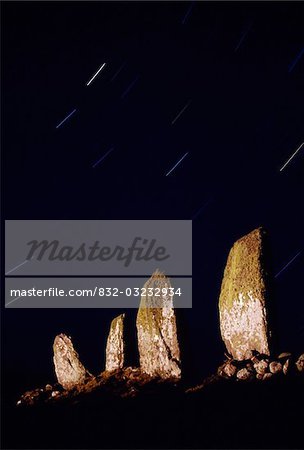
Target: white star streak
{"points": [[288, 264], [15, 299], [12, 301], [67, 117], [14, 268], [103, 157], [180, 113], [95, 75], [178, 162], [292, 156]]}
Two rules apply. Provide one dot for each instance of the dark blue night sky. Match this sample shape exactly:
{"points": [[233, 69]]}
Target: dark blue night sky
{"points": [[234, 71]]}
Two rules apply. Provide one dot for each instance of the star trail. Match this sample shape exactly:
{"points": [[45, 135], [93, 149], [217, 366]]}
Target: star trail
{"points": [[295, 61], [66, 118], [102, 158], [177, 164], [180, 113], [288, 264], [95, 75], [292, 156]]}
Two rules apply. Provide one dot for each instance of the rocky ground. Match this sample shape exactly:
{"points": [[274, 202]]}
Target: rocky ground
{"points": [[234, 408]]}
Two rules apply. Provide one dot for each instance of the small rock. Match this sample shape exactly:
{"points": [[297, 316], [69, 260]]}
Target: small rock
{"points": [[244, 374], [285, 367], [284, 355], [48, 387], [275, 367], [249, 366], [19, 402], [229, 369], [267, 376], [261, 367], [255, 360], [259, 376], [54, 393], [300, 363]]}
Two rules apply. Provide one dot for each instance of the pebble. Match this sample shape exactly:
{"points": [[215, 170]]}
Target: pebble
{"points": [[244, 374], [275, 367], [285, 367], [300, 363], [267, 376], [284, 355], [261, 367], [230, 370]]}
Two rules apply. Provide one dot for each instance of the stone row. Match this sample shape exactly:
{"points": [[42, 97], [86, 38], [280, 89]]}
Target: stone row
{"points": [[243, 324]]}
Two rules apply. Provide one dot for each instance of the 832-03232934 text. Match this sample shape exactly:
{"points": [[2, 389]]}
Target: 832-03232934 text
{"points": [[98, 291]]}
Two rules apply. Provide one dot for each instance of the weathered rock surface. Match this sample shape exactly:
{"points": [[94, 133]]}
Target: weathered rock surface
{"points": [[156, 330], [69, 370], [286, 367], [123, 383], [228, 370], [242, 308], [261, 367], [267, 376], [244, 374], [115, 349], [284, 355], [300, 363], [275, 367]]}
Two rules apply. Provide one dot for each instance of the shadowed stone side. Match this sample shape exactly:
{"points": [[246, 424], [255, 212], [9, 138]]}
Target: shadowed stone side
{"points": [[115, 350], [69, 370], [156, 331], [243, 320]]}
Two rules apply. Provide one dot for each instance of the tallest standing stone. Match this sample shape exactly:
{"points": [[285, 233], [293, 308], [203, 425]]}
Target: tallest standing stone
{"points": [[242, 307]]}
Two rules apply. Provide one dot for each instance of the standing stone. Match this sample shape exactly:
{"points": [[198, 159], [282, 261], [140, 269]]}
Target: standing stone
{"points": [[69, 370], [243, 320], [156, 330], [115, 350]]}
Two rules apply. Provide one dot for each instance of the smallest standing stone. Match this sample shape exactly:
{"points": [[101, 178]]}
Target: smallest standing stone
{"points": [[69, 370]]}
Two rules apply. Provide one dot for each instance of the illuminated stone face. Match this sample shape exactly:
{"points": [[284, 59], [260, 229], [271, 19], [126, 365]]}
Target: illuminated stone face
{"points": [[243, 318], [156, 330], [69, 370], [115, 345]]}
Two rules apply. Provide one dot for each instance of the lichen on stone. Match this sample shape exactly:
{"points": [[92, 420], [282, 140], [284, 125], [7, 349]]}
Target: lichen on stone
{"points": [[156, 330], [69, 370], [115, 349], [242, 303]]}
